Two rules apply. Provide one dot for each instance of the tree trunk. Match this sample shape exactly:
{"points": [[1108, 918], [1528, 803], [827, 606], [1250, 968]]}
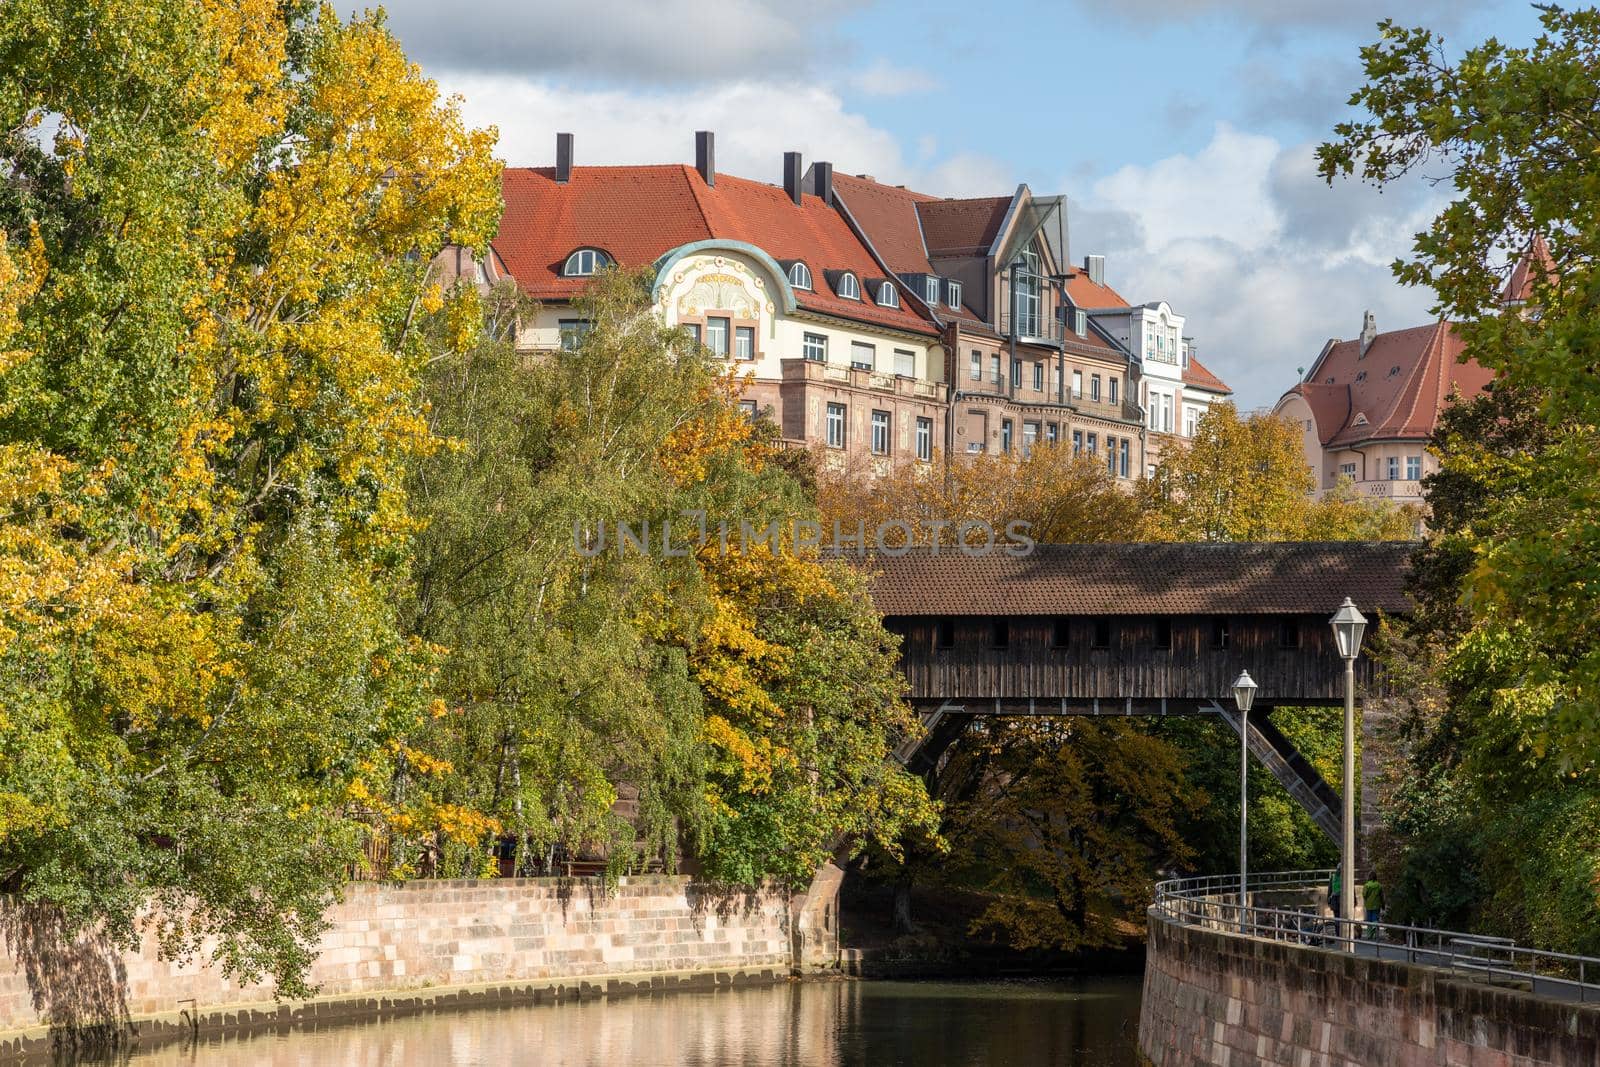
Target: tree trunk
{"points": [[902, 904]]}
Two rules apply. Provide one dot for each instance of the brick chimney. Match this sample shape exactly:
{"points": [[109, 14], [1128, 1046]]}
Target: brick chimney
{"points": [[563, 157], [822, 182], [793, 169]]}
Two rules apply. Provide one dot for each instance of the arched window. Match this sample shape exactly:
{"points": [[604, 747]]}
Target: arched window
{"points": [[800, 276], [887, 296], [584, 262], [849, 288]]}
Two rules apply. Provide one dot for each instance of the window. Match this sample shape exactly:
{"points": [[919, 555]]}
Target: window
{"points": [[1347, 470], [1113, 385], [1111, 456], [748, 409], [1102, 634], [1025, 301], [717, 336], [905, 362], [1289, 633], [880, 433], [944, 633], [1124, 463], [862, 356], [924, 439], [1163, 637], [1077, 442], [1191, 419], [888, 295], [1080, 321], [1016, 373], [1220, 635], [814, 346], [1094, 387], [693, 330], [849, 288], [835, 425], [584, 262], [1077, 385], [1051, 432], [977, 365], [572, 333], [1000, 633], [1093, 441], [930, 291], [994, 370], [1030, 435], [1061, 633], [800, 276], [744, 342], [1005, 435], [1413, 468], [1166, 412], [1394, 468], [955, 293], [1038, 377]]}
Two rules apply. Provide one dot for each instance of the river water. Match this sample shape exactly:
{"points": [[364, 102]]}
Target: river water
{"points": [[1091, 1022]]}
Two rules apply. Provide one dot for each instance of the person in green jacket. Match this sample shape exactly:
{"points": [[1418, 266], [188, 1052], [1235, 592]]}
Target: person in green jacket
{"points": [[1334, 887], [1372, 901]]}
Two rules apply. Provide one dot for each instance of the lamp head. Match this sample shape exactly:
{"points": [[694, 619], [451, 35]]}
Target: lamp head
{"points": [[1349, 626], [1244, 691]]}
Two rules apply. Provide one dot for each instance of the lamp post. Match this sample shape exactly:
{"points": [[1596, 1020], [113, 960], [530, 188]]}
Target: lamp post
{"points": [[1349, 625], [1244, 695]]}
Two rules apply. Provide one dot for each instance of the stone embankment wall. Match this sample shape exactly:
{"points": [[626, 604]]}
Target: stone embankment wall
{"points": [[1216, 998], [427, 944]]}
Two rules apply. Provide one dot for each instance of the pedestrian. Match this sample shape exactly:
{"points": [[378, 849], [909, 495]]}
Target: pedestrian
{"points": [[1372, 901], [1334, 888]]}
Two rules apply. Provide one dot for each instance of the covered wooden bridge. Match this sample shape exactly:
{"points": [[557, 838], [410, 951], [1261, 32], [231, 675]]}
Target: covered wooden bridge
{"points": [[1136, 629]]}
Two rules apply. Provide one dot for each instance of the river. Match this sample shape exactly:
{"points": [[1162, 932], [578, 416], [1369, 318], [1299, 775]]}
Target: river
{"points": [[1091, 1022]]}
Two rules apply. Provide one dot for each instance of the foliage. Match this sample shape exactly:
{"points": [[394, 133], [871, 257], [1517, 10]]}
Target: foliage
{"points": [[1062, 821], [1245, 479], [215, 223], [1503, 726]]}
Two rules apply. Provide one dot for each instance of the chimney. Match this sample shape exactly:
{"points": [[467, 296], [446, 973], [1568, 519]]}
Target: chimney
{"points": [[792, 170], [563, 157], [822, 182], [1369, 331], [1095, 268], [705, 155]]}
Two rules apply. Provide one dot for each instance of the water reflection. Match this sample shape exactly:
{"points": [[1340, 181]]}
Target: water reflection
{"points": [[1091, 1022]]}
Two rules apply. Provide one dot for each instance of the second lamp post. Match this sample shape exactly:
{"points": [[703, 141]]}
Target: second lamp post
{"points": [[1244, 695]]}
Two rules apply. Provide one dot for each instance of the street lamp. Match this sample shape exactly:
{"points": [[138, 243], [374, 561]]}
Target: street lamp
{"points": [[1349, 625], [1244, 695]]}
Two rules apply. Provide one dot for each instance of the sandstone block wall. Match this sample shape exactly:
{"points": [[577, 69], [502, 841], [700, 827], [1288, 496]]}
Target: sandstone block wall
{"points": [[391, 938], [1212, 998]]}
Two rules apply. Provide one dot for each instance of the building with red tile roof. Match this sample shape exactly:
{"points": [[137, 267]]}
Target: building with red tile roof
{"points": [[1368, 407], [842, 354]]}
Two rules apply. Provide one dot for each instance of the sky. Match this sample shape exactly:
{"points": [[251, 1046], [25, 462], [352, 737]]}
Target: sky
{"points": [[1182, 131]]}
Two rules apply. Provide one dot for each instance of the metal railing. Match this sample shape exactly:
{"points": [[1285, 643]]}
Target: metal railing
{"points": [[1032, 326], [1212, 902]]}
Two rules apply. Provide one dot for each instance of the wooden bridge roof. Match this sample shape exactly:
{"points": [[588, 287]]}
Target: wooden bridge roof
{"points": [[1280, 578]]}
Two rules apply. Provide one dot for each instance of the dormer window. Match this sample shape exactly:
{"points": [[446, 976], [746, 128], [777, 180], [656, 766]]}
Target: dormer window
{"points": [[800, 276], [930, 291], [887, 295], [849, 288], [584, 262], [955, 294]]}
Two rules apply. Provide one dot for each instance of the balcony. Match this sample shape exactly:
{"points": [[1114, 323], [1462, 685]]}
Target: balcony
{"points": [[1395, 490], [838, 374], [1033, 329]]}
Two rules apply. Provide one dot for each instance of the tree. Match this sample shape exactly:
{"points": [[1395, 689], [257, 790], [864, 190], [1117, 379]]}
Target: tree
{"points": [[216, 220], [1501, 732]]}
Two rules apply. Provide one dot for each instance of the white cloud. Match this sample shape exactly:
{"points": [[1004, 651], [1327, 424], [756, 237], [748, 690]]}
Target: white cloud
{"points": [[883, 78], [755, 123], [619, 41], [1264, 260]]}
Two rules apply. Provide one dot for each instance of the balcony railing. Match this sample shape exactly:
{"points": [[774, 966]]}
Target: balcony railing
{"points": [[809, 370], [1033, 328]]}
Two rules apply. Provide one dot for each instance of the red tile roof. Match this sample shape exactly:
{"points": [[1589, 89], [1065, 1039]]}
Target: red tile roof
{"points": [[888, 215], [636, 214], [1240, 578], [1519, 287], [1395, 391], [962, 227], [1086, 294], [1197, 375]]}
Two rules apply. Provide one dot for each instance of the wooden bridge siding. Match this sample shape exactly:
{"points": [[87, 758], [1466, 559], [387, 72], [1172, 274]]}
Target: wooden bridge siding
{"points": [[1131, 667]]}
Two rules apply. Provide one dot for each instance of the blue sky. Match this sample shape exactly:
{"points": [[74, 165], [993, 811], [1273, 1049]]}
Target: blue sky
{"points": [[1181, 130]]}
